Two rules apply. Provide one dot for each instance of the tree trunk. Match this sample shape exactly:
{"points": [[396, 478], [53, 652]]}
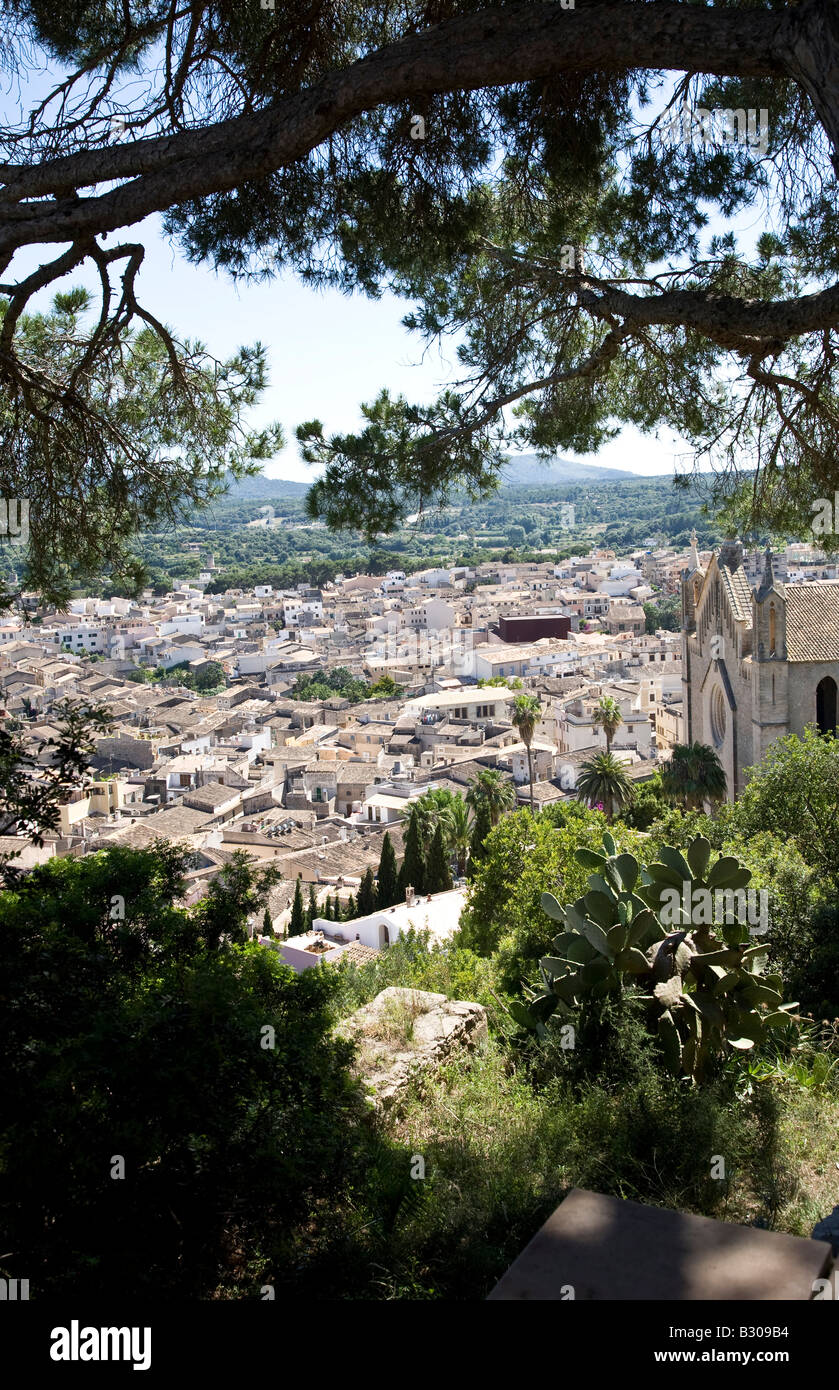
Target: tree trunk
{"points": [[530, 775], [488, 48]]}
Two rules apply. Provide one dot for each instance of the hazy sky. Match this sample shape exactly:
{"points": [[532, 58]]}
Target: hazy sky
{"points": [[328, 352]]}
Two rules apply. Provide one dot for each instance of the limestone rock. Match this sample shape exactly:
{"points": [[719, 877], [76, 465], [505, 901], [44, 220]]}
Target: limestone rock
{"points": [[405, 1032]]}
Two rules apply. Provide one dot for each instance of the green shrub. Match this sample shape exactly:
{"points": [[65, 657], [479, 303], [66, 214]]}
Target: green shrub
{"points": [[523, 855], [415, 962], [144, 1038], [501, 1152]]}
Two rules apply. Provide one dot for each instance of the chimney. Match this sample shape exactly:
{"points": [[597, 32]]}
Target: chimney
{"points": [[409, 895]]}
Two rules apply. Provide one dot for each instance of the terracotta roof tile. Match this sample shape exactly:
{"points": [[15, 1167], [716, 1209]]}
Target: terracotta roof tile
{"points": [[812, 612]]}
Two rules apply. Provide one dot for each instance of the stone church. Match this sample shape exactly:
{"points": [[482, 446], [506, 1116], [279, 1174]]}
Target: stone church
{"points": [[758, 660]]}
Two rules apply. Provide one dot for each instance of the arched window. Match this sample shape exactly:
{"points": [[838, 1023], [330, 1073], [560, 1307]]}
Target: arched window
{"points": [[826, 705], [771, 629]]}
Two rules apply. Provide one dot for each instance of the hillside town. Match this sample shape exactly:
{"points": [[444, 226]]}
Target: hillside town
{"points": [[215, 740]]}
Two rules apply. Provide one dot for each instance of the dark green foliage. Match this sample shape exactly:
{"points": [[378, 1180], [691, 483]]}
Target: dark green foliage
{"points": [[692, 775], [387, 887], [412, 872], [311, 908], [297, 925], [663, 614], [70, 448], [807, 953], [647, 806], [323, 685], [480, 830], [29, 804], [367, 894], [233, 895], [602, 783], [438, 878], [210, 676], [123, 1033], [794, 793]]}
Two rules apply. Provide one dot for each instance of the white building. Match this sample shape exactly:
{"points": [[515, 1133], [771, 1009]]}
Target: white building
{"points": [[438, 914], [490, 704]]}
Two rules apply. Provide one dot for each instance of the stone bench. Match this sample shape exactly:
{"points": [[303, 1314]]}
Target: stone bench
{"points": [[596, 1247]]}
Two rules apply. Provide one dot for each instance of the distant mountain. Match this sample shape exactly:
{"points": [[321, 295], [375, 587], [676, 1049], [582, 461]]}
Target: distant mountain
{"points": [[527, 470], [524, 471], [248, 488]]}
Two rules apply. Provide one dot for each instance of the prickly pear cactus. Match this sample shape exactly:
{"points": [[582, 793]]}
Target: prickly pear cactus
{"points": [[652, 929]]}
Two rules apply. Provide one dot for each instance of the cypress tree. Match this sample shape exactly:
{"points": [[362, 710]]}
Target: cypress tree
{"points": [[298, 916], [312, 908], [438, 877], [413, 865], [482, 827], [367, 895], [351, 909], [388, 887], [267, 925]]}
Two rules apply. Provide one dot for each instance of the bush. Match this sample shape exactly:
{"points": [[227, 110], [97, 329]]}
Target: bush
{"points": [[523, 855], [501, 1150], [810, 955], [414, 962], [151, 1140]]}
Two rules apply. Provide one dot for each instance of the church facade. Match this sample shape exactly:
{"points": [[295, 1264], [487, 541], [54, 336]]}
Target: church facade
{"points": [[759, 660]]}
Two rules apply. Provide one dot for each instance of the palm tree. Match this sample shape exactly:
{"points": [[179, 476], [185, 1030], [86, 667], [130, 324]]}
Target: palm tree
{"points": [[459, 833], [492, 790], [693, 776], [526, 713], [431, 809], [603, 781], [608, 717]]}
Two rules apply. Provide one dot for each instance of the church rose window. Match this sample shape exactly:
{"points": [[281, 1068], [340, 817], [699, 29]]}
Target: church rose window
{"points": [[718, 716]]}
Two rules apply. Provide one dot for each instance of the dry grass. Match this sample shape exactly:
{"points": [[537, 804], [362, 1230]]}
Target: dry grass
{"points": [[394, 1022]]}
